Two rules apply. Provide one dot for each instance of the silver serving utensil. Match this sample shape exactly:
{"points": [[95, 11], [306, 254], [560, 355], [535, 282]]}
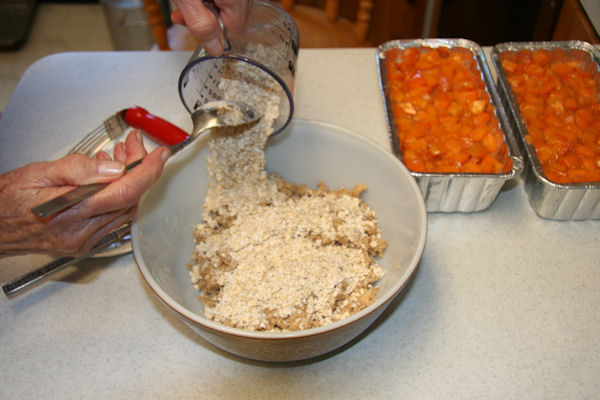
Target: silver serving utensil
{"points": [[28, 280], [110, 129], [214, 114]]}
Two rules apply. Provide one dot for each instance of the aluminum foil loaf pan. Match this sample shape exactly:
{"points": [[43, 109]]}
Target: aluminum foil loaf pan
{"points": [[454, 191], [551, 200]]}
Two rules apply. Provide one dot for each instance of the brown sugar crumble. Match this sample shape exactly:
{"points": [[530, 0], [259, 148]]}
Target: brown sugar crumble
{"points": [[272, 255]]}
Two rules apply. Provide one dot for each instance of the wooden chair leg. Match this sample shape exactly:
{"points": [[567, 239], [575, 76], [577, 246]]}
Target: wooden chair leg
{"points": [[157, 24], [363, 19]]}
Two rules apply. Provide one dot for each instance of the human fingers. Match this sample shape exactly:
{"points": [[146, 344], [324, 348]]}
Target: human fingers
{"points": [[134, 147], [42, 181], [102, 155], [128, 190], [234, 14], [121, 196], [74, 230], [21, 231], [74, 170], [203, 24], [77, 169], [66, 234], [55, 238], [120, 219], [119, 152]]}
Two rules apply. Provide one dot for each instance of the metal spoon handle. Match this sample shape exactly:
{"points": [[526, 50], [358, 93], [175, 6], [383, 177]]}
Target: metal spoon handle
{"points": [[82, 192], [29, 279], [73, 196], [213, 114]]}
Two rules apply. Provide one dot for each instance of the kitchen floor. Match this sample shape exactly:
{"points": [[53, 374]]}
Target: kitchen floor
{"points": [[56, 28]]}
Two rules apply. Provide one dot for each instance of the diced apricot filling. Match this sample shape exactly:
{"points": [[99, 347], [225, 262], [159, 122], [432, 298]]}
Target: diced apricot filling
{"points": [[559, 101], [443, 114]]}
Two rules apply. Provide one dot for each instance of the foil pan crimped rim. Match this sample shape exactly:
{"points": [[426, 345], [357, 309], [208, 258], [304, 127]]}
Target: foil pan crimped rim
{"points": [[549, 199], [450, 192]]}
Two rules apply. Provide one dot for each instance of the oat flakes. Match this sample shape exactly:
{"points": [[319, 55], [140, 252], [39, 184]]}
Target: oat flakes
{"points": [[271, 255]]}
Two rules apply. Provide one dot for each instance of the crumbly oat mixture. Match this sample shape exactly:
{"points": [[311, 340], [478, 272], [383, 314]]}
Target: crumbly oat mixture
{"points": [[272, 255]]}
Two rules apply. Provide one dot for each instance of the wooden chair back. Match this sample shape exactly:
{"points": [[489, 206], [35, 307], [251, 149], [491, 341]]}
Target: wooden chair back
{"points": [[157, 24], [321, 24]]}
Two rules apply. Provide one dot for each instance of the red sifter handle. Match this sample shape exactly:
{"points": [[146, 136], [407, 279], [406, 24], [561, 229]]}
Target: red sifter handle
{"points": [[157, 128]]}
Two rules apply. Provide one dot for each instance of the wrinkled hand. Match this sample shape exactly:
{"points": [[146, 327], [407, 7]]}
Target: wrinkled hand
{"points": [[204, 25], [74, 231]]}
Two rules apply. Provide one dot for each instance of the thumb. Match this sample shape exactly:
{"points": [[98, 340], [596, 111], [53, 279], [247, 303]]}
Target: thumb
{"points": [[78, 169]]}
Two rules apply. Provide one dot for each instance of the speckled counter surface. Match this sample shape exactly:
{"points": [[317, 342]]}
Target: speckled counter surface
{"points": [[504, 304]]}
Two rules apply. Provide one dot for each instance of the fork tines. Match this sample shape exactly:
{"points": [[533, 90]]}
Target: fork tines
{"points": [[94, 141]]}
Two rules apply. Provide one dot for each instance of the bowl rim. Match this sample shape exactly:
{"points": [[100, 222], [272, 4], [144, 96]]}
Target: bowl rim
{"points": [[396, 288]]}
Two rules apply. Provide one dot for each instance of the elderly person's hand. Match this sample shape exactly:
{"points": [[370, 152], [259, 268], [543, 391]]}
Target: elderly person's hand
{"points": [[74, 231], [204, 25]]}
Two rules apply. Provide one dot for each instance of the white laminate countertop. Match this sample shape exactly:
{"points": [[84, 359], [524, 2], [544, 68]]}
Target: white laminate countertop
{"points": [[592, 9], [504, 305]]}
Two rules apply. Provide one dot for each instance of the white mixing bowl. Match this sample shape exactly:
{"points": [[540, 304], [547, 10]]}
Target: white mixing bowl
{"points": [[306, 152]]}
